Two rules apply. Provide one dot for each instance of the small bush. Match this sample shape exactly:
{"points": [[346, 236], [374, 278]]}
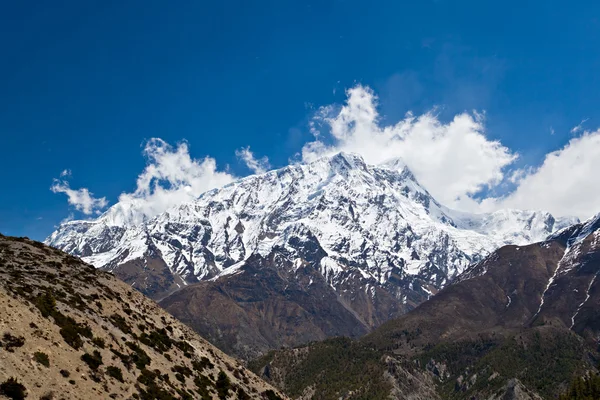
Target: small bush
{"points": [[158, 339], [147, 377], [65, 373], [12, 389], [223, 385], [120, 322], [99, 342], [9, 342], [139, 357], [242, 395], [115, 372], [204, 386], [94, 360], [125, 359], [200, 365], [182, 369], [270, 395], [154, 392], [46, 303], [42, 358], [71, 336]]}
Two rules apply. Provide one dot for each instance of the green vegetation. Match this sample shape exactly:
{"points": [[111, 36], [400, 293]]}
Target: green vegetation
{"points": [[241, 394], [184, 346], [203, 363], [94, 360], [540, 362], [115, 372], [120, 322], [12, 389], [147, 377], [10, 342], [181, 369], [125, 359], [99, 342], [335, 367], [70, 330], [223, 385], [203, 385], [139, 357], [152, 391], [583, 388], [271, 395], [42, 358], [158, 339], [46, 303], [71, 336]]}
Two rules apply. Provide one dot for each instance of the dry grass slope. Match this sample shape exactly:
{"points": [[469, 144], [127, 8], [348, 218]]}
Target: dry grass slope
{"points": [[68, 331]]}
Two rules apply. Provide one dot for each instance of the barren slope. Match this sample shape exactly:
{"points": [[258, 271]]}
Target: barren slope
{"points": [[69, 331]]}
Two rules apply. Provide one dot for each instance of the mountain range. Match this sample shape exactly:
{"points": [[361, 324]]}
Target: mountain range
{"points": [[517, 325], [328, 248]]}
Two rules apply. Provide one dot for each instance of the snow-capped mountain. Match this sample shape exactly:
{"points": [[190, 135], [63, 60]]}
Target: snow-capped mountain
{"points": [[328, 248], [338, 213]]}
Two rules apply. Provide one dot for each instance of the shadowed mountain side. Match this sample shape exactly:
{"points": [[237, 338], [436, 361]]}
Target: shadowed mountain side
{"points": [[502, 300], [520, 324], [261, 307]]}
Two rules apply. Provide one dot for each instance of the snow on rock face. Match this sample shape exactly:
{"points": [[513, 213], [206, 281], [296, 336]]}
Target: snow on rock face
{"points": [[337, 213]]}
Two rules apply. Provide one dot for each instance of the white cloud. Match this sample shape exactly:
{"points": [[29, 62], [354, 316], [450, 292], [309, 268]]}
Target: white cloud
{"points": [[171, 177], [579, 127], [82, 199], [258, 166], [567, 182], [453, 160]]}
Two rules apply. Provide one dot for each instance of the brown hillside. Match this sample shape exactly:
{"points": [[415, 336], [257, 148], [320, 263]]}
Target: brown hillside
{"points": [[68, 331]]}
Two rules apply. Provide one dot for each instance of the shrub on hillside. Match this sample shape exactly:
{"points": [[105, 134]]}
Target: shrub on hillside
{"points": [[42, 358], [12, 389], [94, 360], [115, 372]]}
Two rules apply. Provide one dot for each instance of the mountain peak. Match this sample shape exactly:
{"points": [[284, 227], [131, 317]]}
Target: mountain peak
{"points": [[349, 157], [347, 161], [396, 164]]}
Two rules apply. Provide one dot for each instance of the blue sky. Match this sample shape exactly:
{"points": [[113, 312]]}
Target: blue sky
{"points": [[85, 84]]}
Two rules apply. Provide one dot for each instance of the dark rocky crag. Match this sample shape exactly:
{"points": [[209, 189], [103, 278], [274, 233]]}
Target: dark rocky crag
{"points": [[263, 307]]}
